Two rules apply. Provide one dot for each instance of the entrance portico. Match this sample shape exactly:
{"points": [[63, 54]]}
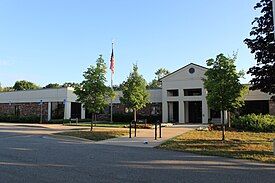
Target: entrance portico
{"points": [[184, 96]]}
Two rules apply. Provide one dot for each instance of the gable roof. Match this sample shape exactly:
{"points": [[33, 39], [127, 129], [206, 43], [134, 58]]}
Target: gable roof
{"points": [[182, 69]]}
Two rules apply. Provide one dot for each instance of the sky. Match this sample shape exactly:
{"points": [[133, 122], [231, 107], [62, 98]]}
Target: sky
{"points": [[54, 41]]}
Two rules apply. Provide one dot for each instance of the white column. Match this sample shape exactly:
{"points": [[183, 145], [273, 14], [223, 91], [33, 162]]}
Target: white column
{"points": [[204, 112], [224, 117], [83, 112], [49, 110], [164, 112], [273, 19], [67, 110], [181, 112], [186, 107]]}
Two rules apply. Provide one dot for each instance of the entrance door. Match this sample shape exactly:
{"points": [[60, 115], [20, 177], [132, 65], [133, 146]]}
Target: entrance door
{"points": [[195, 111], [173, 111]]}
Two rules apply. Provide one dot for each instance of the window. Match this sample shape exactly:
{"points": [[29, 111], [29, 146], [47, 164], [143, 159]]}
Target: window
{"points": [[193, 92], [191, 70], [17, 110], [57, 110], [172, 93], [155, 110], [75, 110]]}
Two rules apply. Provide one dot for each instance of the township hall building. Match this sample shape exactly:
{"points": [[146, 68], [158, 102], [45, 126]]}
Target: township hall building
{"points": [[182, 99]]}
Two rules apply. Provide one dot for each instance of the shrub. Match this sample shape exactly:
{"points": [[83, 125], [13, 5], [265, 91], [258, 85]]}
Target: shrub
{"points": [[58, 121], [255, 123], [19, 119]]}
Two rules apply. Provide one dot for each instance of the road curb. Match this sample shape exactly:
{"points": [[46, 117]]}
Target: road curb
{"points": [[67, 137]]}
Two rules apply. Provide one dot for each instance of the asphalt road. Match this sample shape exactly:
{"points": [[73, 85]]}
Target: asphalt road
{"points": [[39, 158]]}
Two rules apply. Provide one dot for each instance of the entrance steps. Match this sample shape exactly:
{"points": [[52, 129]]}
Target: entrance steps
{"points": [[189, 125]]}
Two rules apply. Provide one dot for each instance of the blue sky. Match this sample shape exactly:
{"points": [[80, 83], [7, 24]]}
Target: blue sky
{"points": [[54, 41]]}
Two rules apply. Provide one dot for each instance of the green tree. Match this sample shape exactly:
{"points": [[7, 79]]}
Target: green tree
{"points": [[92, 92], [118, 87], [155, 83], [6, 89], [262, 45], [52, 85], [24, 85], [70, 84], [224, 90], [135, 96]]}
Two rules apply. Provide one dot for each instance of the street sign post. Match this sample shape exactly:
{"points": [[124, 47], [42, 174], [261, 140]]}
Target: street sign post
{"points": [[41, 111]]}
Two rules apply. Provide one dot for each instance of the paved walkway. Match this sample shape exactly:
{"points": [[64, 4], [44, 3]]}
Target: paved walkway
{"points": [[146, 137]]}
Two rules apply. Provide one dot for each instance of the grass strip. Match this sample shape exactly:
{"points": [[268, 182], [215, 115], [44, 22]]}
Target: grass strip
{"points": [[240, 145]]}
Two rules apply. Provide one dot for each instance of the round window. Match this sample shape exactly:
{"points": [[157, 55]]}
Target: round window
{"points": [[191, 70]]}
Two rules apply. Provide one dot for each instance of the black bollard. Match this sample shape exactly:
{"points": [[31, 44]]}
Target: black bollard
{"points": [[130, 130], [156, 128], [92, 126], [159, 129], [135, 128]]}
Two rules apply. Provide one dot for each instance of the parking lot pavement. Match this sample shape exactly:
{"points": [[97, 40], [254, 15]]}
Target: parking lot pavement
{"points": [[39, 129], [36, 158]]}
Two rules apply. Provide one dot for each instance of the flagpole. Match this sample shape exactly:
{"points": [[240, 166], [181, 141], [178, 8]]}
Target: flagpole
{"points": [[112, 73]]}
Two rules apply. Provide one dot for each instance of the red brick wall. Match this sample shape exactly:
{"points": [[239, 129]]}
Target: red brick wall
{"points": [[26, 109], [146, 111], [272, 107]]}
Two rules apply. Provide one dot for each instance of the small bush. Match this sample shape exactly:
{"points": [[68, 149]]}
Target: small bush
{"points": [[58, 121], [255, 123]]}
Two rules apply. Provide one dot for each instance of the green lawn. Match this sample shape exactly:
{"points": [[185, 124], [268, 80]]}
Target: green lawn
{"points": [[241, 145], [95, 135], [112, 125]]}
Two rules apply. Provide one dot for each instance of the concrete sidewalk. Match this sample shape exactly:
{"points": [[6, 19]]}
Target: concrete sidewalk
{"points": [[145, 135]]}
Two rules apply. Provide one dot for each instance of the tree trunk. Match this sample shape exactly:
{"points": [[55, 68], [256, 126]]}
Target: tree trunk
{"points": [[135, 115], [223, 126], [92, 122]]}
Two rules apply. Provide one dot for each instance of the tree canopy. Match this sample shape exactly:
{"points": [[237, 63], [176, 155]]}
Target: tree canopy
{"points": [[92, 92], [52, 85], [118, 87], [224, 90], [24, 85], [155, 83], [135, 96], [70, 84], [262, 45]]}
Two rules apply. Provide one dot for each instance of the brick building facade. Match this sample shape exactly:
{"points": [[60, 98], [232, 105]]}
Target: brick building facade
{"points": [[24, 109], [182, 99]]}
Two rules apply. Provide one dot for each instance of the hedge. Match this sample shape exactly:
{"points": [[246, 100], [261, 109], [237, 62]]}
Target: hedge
{"points": [[19, 119], [255, 123]]}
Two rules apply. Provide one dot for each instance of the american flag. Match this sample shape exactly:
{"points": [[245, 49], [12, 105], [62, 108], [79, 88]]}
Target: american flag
{"points": [[112, 62]]}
